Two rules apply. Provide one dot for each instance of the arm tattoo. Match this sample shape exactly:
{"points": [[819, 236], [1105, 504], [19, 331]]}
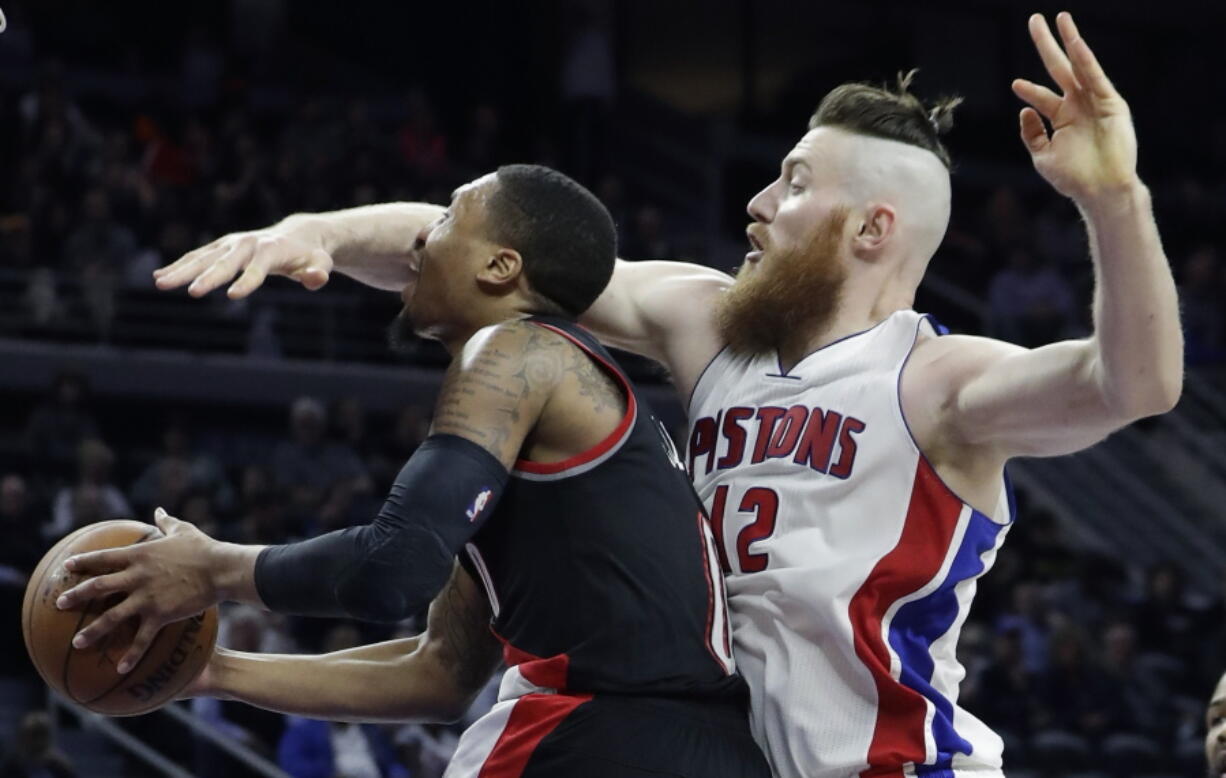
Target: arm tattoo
{"points": [[595, 383], [469, 649], [485, 396]]}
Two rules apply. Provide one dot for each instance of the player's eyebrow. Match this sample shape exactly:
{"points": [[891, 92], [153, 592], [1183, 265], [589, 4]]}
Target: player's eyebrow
{"points": [[1215, 706], [793, 161]]}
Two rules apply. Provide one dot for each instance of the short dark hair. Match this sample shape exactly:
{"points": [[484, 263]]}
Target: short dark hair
{"points": [[563, 232], [891, 114]]}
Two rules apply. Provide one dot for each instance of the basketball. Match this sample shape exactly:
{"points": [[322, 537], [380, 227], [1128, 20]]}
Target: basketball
{"points": [[88, 676]]}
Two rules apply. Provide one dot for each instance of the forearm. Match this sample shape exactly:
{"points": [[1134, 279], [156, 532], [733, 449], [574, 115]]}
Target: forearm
{"points": [[371, 243], [384, 682], [390, 569], [1137, 333]]}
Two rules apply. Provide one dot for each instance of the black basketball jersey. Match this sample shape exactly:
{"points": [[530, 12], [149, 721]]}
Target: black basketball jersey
{"points": [[601, 570]]}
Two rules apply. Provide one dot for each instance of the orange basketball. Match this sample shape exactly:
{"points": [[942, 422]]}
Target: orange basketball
{"points": [[88, 676]]}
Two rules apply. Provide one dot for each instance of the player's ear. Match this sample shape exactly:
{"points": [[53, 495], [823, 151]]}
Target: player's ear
{"points": [[503, 268], [876, 227]]}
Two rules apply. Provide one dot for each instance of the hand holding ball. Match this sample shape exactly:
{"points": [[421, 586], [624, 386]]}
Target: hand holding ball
{"points": [[89, 676]]}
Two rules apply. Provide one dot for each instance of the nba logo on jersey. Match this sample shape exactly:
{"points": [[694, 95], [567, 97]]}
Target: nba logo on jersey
{"points": [[479, 504]]}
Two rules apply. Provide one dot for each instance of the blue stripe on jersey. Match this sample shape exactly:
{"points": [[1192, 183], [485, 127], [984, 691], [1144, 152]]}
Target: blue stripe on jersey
{"points": [[921, 622]]}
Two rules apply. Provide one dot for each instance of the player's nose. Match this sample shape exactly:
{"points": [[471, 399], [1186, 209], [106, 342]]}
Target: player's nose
{"points": [[762, 207]]}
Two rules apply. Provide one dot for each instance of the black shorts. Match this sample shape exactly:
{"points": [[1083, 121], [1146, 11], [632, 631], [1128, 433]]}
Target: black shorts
{"points": [[606, 736]]}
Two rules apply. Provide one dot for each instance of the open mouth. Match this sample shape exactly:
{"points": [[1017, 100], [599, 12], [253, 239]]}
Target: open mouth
{"points": [[756, 246], [415, 255]]}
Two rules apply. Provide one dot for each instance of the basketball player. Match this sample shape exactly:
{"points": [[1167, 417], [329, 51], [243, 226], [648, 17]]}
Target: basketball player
{"points": [[560, 492], [853, 461], [1215, 736]]}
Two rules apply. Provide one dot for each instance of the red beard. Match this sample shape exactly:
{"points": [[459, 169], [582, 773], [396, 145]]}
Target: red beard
{"points": [[791, 295]]}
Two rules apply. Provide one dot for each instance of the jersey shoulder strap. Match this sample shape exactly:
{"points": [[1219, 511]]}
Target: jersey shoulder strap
{"points": [[586, 341]]}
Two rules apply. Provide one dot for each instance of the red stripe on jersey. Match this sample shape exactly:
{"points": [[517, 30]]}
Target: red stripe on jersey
{"points": [[547, 673], [532, 719], [927, 533], [716, 597], [601, 448]]}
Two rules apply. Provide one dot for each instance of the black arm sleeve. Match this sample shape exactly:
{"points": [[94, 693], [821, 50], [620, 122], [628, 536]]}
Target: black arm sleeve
{"points": [[392, 568]]}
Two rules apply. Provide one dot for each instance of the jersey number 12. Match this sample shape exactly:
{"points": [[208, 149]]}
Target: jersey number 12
{"points": [[758, 501]]}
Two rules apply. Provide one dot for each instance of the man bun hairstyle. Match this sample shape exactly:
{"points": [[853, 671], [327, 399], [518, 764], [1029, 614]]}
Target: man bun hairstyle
{"points": [[891, 114], [562, 231]]}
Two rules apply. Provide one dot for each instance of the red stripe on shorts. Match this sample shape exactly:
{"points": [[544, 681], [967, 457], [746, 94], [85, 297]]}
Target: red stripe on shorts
{"points": [[532, 719]]}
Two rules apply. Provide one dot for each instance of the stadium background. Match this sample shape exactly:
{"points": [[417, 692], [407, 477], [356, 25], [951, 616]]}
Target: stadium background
{"points": [[131, 132]]}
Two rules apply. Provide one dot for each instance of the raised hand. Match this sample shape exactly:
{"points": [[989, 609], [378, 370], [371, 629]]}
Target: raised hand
{"points": [[1092, 147], [291, 248]]}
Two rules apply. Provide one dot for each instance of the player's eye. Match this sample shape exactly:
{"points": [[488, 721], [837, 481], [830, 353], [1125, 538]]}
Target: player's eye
{"points": [[794, 188]]}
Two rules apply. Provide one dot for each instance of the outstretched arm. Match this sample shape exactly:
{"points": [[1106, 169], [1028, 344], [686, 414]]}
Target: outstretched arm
{"points": [[1066, 396], [371, 244], [431, 677], [662, 310]]}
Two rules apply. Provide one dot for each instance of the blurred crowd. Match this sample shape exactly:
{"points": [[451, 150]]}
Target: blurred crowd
{"points": [[1022, 254], [1083, 663], [100, 185]]}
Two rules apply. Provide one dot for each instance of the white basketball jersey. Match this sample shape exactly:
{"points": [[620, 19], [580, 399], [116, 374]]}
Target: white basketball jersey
{"points": [[851, 566]]}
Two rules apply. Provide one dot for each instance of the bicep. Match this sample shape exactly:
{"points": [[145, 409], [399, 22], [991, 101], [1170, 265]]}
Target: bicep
{"points": [[495, 389], [664, 311], [1025, 402]]}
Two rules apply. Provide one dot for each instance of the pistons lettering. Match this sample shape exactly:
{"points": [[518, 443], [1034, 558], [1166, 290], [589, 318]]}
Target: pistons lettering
{"points": [[816, 438]]}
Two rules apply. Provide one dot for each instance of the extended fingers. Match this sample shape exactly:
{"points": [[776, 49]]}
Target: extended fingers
{"points": [[186, 269], [1043, 99], [1054, 59], [107, 621], [1086, 69], [174, 268], [97, 562], [140, 644], [94, 588], [222, 268], [250, 280]]}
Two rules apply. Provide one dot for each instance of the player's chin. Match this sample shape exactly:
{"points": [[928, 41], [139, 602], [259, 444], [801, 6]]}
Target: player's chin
{"points": [[1217, 763], [402, 332]]}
